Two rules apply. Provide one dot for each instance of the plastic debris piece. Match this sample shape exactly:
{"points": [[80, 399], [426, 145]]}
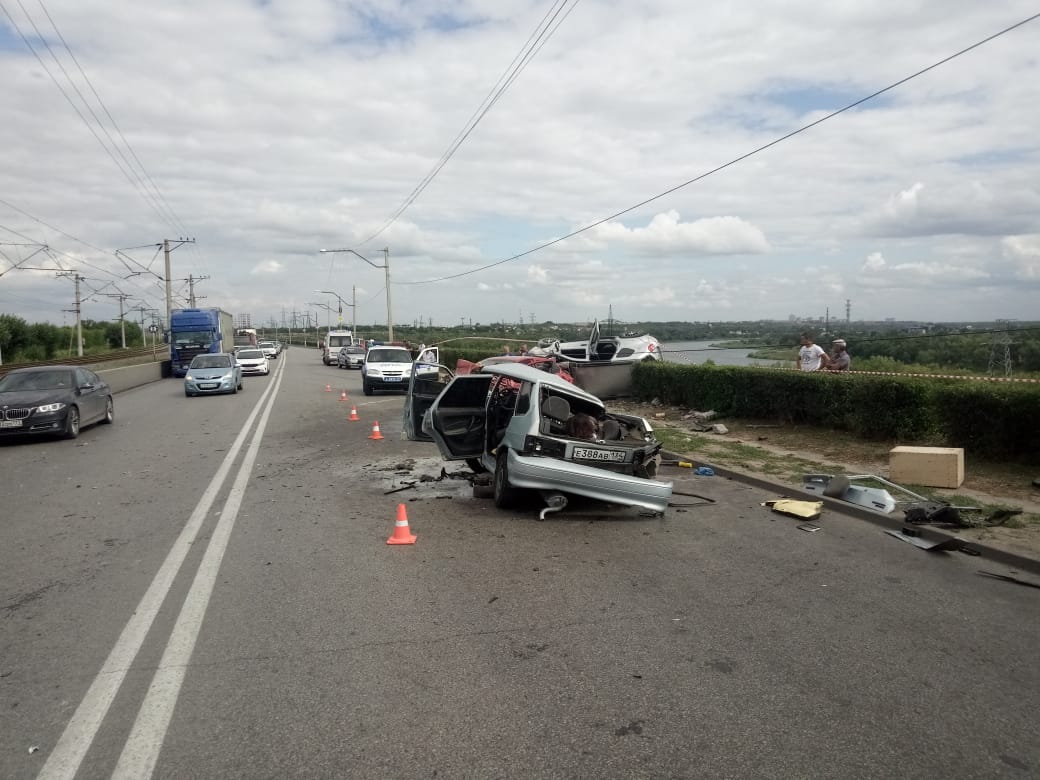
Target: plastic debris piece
{"points": [[807, 510], [809, 527], [913, 537], [704, 471], [33, 749]]}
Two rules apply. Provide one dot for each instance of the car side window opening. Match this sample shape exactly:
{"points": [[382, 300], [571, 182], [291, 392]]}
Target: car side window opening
{"points": [[523, 399], [82, 378], [502, 404]]}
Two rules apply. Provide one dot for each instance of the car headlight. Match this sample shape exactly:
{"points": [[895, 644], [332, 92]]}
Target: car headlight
{"points": [[374, 372], [50, 408], [189, 378]]}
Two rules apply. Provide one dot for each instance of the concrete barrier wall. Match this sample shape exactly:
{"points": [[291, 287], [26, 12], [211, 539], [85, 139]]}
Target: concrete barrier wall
{"points": [[132, 376]]}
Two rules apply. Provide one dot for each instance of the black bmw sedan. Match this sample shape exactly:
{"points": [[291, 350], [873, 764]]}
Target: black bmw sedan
{"points": [[53, 400]]}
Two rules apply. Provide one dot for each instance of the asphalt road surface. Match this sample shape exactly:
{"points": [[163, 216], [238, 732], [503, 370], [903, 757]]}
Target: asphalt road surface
{"points": [[204, 590]]}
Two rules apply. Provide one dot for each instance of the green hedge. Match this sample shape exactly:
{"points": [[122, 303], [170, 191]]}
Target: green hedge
{"points": [[988, 419]]}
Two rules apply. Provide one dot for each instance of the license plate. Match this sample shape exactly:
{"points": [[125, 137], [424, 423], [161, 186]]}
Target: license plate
{"points": [[391, 379], [614, 456], [10, 423], [207, 385]]}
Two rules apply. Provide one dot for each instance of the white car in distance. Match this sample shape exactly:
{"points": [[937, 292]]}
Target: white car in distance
{"points": [[253, 361]]}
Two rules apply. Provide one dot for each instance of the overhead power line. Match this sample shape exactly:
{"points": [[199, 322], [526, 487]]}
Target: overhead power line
{"points": [[111, 147], [144, 172], [542, 33], [735, 160], [53, 253]]}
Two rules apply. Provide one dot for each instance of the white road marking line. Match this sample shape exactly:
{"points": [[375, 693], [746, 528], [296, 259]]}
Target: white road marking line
{"points": [[65, 760], [141, 751]]}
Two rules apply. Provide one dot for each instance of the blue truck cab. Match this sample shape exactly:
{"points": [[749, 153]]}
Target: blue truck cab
{"points": [[196, 332]]}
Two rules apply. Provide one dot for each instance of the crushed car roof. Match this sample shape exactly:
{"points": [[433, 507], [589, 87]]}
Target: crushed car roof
{"points": [[523, 373]]}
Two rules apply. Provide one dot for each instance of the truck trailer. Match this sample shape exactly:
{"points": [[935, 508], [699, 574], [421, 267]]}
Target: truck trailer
{"points": [[196, 332], [245, 337]]}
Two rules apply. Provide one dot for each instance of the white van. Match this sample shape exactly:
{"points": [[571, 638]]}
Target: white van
{"points": [[335, 339]]}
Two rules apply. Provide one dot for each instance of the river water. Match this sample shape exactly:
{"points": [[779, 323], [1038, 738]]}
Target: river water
{"points": [[699, 351]]}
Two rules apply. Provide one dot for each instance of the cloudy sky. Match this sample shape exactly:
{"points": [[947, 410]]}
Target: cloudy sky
{"points": [[269, 129]]}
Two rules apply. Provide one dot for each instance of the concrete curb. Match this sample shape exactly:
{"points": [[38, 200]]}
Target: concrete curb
{"points": [[892, 522]]}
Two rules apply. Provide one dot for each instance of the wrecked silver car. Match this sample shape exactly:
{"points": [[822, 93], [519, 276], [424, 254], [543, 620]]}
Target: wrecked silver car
{"points": [[535, 431]]}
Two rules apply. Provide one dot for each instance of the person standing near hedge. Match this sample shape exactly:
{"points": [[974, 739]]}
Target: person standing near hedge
{"points": [[840, 360], [811, 357]]}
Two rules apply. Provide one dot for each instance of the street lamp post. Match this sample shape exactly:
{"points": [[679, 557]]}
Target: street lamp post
{"points": [[342, 303], [386, 267]]}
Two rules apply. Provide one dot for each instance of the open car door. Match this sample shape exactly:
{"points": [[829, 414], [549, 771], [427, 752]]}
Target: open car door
{"points": [[428, 379], [590, 348], [458, 417]]}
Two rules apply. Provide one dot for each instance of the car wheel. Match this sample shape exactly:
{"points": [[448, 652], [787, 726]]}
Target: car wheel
{"points": [[476, 465], [505, 494], [72, 423], [366, 388], [110, 412], [187, 394]]}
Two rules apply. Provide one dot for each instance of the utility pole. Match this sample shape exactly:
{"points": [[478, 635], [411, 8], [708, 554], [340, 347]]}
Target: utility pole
{"points": [[122, 322], [79, 324], [191, 288], [169, 277], [142, 310], [848, 311], [1001, 343]]}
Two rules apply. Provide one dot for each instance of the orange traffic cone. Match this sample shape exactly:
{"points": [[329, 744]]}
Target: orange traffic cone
{"points": [[328, 388], [375, 431], [343, 396], [353, 414], [401, 534]]}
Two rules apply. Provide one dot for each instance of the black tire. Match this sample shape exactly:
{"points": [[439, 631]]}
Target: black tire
{"points": [[505, 494], [187, 394], [476, 465], [72, 423], [110, 412], [366, 388]]}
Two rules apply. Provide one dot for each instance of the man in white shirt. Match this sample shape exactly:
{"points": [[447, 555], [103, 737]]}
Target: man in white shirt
{"points": [[811, 357]]}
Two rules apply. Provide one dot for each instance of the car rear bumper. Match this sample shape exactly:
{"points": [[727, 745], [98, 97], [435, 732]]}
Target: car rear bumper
{"points": [[541, 473]]}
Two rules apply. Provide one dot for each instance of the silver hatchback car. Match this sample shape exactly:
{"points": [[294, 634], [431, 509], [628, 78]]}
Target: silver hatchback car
{"points": [[535, 431]]}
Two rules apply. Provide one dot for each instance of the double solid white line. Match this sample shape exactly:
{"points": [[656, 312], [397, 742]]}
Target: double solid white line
{"points": [[142, 747]]}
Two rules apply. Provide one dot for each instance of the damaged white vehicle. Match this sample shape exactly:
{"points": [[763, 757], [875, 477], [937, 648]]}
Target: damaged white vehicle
{"points": [[515, 421]]}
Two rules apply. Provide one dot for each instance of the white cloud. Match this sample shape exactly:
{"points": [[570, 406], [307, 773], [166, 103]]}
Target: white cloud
{"points": [[667, 235], [968, 207], [1024, 251], [268, 267], [875, 262]]}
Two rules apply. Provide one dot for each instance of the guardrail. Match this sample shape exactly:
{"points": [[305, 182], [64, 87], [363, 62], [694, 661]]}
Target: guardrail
{"points": [[106, 360]]}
